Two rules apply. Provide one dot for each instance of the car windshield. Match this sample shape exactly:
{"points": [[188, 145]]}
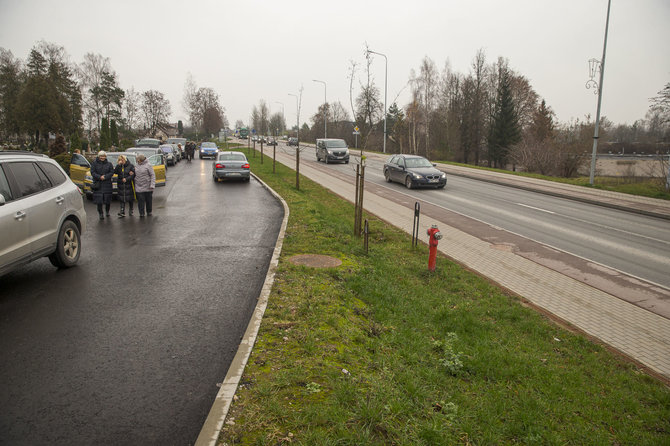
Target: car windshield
{"points": [[336, 144], [145, 152], [155, 160], [208, 145], [166, 149], [232, 157], [417, 162], [148, 143]]}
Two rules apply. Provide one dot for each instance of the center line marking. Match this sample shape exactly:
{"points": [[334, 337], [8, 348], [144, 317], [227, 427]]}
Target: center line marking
{"points": [[537, 209]]}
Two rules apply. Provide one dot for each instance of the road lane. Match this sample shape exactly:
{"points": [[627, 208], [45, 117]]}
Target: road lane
{"points": [[128, 347], [634, 244]]}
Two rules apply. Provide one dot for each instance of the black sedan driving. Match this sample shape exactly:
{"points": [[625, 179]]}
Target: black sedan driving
{"points": [[414, 171]]}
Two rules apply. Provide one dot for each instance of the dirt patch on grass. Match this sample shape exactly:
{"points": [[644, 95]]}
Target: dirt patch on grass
{"points": [[315, 261]]}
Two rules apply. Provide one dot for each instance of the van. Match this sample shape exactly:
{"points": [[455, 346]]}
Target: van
{"points": [[330, 150]]}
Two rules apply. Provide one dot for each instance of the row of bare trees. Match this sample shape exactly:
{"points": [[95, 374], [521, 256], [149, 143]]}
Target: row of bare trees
{"points": [[488, 116]]}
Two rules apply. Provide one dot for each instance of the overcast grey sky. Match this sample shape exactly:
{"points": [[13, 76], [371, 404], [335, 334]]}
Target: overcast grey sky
{"points": [[252, 50]]}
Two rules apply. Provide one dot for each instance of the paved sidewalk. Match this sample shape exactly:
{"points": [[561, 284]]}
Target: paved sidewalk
{"points": [[638, 333]]}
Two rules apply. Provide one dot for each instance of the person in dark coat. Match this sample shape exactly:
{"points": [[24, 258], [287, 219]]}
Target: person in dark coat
{"points": [[102, 172], [125, 185]]}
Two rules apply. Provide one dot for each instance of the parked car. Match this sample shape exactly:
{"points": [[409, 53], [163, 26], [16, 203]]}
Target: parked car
{"points": [[331, 149], [293, 141], [148, 142], [149, 151], [272, 142], [170, 154], [80, 169], [208, 149], [179, 151], [231, 165], [41, 212], [413, 171]]}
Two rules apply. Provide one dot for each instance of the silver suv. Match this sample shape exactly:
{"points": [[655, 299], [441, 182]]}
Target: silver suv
{"points": [[41, 212]]}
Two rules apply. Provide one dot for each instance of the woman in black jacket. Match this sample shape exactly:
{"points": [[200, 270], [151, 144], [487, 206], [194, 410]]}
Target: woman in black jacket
{"points": [[102, 172], [125, 187]]}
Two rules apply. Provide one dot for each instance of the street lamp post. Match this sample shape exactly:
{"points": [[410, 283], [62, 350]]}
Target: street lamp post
{"points": [[593, 67], [386, 66], [282, 112], [325, 102]]}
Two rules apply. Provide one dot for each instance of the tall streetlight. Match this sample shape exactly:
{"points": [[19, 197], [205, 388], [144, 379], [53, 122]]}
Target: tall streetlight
{"points": [[325, 119], [593, 67], [282, 112], [386, 70]]}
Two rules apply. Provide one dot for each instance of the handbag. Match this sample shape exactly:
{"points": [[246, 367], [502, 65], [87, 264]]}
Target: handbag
{"points": [[95, 185]]}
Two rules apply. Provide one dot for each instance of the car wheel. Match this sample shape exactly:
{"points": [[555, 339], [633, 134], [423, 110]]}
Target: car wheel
{"points": [[68, 246], [408, 182], [387, 177]]}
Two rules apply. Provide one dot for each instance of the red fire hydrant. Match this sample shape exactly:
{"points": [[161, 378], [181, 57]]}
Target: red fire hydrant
{"points": [[434, 235]]}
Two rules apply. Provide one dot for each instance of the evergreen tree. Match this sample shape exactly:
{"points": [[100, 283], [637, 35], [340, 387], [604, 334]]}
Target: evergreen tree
{"points": [[505, 131], [75, 142], [114, 134], [542, 127], [104, 135]]}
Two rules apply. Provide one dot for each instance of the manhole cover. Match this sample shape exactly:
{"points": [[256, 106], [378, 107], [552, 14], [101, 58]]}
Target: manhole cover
{"points": [[315, 261]]}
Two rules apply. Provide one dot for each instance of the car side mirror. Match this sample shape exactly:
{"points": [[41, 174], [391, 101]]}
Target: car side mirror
{"points": [[434, 165]]}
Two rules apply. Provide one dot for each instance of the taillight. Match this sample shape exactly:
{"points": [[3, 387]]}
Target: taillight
{"points": [[220, 166], [245, 166]]}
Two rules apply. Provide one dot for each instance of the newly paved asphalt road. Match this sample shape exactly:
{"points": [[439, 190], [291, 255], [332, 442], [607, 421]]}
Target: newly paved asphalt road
{"points": [[128, 347]]}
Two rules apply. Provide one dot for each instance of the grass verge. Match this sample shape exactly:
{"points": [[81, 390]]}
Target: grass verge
{"points": [[378, 351]]}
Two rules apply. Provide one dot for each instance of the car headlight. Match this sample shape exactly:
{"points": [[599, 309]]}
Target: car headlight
{"points": [[416, 176], [330, 152], [444, 175]]}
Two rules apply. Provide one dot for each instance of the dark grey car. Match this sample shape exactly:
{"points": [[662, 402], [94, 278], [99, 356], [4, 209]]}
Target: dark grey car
{"points": [[414, 171]]}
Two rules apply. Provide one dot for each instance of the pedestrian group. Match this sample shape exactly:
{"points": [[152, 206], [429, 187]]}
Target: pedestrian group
{"points": [[132, 183]]}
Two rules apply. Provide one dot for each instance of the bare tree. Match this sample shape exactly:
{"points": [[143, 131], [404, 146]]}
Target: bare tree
{"points": [[156, 109], [90, 73], [131, 108]]}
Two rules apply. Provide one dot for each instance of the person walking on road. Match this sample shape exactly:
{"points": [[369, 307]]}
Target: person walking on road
{"points": [[125, 185], [145, 183], [190, 150], [102, 172]]}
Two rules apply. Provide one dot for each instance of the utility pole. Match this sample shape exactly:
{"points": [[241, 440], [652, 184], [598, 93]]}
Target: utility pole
{"points": [[594, 67]]}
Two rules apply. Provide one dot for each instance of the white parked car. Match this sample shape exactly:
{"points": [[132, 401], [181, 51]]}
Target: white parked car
{"points": [[41, 212]]}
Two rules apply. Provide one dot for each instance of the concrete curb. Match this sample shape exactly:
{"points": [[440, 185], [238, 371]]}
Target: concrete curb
{"points": [[209, 433]]}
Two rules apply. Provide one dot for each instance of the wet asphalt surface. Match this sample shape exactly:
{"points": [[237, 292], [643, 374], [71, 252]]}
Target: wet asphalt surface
{"points": [[128, 347]]}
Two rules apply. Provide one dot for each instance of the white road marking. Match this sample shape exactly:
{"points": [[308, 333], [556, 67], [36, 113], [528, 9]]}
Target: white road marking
{"points": [[537, 209]]}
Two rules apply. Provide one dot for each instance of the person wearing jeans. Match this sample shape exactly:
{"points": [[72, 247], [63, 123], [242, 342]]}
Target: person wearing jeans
{"points": [[145, 183]]}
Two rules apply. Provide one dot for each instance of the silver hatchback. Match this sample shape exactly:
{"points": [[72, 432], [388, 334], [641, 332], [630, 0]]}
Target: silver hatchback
{"points": [[41, 212], [231, 165]]}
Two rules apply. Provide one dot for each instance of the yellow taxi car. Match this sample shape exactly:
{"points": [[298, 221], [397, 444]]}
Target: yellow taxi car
{"points": [[80, 169]]}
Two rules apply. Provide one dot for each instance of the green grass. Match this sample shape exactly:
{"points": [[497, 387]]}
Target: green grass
{"points": [[379, 351]]}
